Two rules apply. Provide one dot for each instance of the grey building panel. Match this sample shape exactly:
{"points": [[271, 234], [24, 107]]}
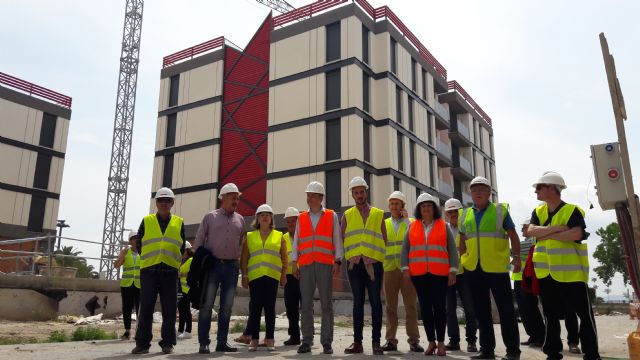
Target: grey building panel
{"points": [[34, 102], [200, 60]]}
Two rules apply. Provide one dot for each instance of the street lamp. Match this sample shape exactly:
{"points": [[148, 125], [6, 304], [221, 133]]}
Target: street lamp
{"points": [[61, 224]]}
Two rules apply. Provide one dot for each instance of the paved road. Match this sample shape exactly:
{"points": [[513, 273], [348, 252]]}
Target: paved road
{"points": [[612, 331]]}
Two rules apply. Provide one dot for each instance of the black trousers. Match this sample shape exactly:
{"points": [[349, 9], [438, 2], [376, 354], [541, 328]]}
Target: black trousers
{"points": [[263, 292], [130, 299], [432, 296], [482, 285], [529, 313], [571, 323], [471, 327], [162, 281], [556, 297], [360, 282], [292, 304], [184, 313]]}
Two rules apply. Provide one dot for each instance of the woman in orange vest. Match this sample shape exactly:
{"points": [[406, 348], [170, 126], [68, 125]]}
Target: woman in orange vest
{"points": [[430, 258]]}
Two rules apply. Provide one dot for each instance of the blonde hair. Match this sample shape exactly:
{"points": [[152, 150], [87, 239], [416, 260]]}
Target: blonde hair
{"points": [[256, 225]]}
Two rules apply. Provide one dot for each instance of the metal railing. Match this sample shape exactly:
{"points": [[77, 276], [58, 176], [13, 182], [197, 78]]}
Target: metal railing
{"points": [[465, 164], [464, 130], [189, 53], [443, 148], [441, 110], [454, 85], [35, 90]]}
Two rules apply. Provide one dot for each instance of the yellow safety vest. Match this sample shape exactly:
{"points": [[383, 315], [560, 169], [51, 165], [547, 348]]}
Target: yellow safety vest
{"points": [[361, 239], [287, 239], [566, 261], [460, 268], [489, 241], [394, 244], [130, 270], [184, 269], [264, 260], [161, 248]]}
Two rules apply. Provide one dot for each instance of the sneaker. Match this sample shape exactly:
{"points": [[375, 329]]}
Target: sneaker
{"points": [[140, 350], [184, 336]]}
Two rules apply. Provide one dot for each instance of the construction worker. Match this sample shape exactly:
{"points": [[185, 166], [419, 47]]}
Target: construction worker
{"points": [[561, 264], [527, 302], [430, 259], [161, 246], [394, 283], [292, 287], [488, 227], [184, 302], [452, 210], [364, 234], [317, 256], [129, 281], [222, 233], [263, 264]]}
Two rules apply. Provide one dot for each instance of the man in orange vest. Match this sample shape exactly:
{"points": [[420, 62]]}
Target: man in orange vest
{"points": [[316, 257]]}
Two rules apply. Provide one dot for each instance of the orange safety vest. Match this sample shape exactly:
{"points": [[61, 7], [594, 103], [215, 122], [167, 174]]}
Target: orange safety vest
{"points": [[428, 255], [315, 245]]}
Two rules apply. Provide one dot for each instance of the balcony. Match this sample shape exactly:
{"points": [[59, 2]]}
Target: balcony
{"points": [[443, 151], [445, 188], [462, 169], [466, 199], [442, 115]]}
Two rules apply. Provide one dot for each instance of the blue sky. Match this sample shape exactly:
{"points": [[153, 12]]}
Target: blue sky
{"points": [[534, 67]]}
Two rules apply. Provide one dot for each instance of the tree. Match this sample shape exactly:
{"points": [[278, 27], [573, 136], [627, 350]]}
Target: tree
{"points": [[610, 255], [84, 270]]}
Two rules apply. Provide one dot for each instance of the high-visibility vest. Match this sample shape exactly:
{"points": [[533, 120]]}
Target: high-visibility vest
{"points": [[130, 270], [364, 239], [184, 269], [460, 268], [158, 247], [394, 244], [287, 239], [525, 246], [315, 245], [264, 258], [565, 261], [428, 254], [489, 241]]}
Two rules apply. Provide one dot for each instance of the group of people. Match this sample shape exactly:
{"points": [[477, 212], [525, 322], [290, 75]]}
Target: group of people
{"points": [[432, 255]]}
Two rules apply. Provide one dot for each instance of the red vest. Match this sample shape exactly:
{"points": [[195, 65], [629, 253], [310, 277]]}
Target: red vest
{"points": [[315, 246], [428, 255]]}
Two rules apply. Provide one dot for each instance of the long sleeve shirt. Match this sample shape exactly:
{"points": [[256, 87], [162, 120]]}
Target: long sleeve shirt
{"points": [[222, 233], [245, 256], [336, 238], [451, 248], [364, 213]]}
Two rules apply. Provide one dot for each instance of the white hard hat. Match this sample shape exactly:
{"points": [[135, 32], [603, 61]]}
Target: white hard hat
{"points": [[164, 192], [479, 180], [132, 234], [526, 221], [398, 195], [426, 197], [187, 245], [551, 178], [291, 212], [357, 181], [452, 204], [264, 208], [315, 187], [229, 189]]}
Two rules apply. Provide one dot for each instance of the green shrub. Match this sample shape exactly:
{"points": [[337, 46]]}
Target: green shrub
{"points": [[14, 340], [58, 336], [92, 333]]}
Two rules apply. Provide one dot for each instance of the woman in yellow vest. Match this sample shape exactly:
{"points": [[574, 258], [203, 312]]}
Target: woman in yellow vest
{"points": [[263, 263], [184, 302], [429, 256], [129, 281]]}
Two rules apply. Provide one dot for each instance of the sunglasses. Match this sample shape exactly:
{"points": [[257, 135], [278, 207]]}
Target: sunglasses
{"points": [[164, 200], [540, 186]]}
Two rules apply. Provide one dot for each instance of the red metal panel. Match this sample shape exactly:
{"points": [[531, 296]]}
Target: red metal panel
{"points": [[33, 89], [245, 119], [192, 51], [454, 85]]}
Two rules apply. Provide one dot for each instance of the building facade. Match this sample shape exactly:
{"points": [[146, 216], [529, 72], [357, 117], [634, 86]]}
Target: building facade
{"points": [[340, 94]]}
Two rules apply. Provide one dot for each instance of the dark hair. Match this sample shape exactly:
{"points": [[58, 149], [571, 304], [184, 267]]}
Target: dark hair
{"points": [[436, 211]]}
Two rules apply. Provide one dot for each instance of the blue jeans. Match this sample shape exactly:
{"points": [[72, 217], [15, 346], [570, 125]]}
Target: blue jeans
{"points": [[360, 282], [223, 275]]}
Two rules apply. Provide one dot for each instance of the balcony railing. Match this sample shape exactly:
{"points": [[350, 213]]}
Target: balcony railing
{"points": [[443, 148], [35, 90], [454, 85], [445, 188], [464, 130], [465, 164], [441, 110]]}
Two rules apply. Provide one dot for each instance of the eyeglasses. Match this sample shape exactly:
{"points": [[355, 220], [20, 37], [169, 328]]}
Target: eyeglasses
{"points": [[164, 200]]}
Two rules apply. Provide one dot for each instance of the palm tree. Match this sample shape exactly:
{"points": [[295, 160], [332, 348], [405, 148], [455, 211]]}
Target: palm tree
{"points": [[84, 270]]}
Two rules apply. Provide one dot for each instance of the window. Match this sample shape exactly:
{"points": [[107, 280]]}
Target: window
{"points": [[332, 144], [332, 90], [36, 213], [173, 90], [333, 41], [480, 136], [394, 55], [424, 84], [171, 130], [365, 92], [167, 174], [414, 81], [332, 180], [398, 105], [400, 152], [43, 168], [48, 130], [365, 44], [396, 184], [429, 130], [367, 178], [418, 192], [491, 145], [366, 140], [412, 158], [432, 170], [410, 113]]}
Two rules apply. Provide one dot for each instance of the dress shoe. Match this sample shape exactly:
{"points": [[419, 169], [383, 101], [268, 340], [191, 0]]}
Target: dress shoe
{"points": [[167, 349], [204, 349], [471, 347], [125, 336], [253, 345], [452, 346], [389, 346], [140, 350], [292, 341], [243, 339], [224, 347], [574, 349], [511, 357], [355, 348], [327, 349], [304, 348], [271, 346], [415, 347], [377, 349], [483, 355]]}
